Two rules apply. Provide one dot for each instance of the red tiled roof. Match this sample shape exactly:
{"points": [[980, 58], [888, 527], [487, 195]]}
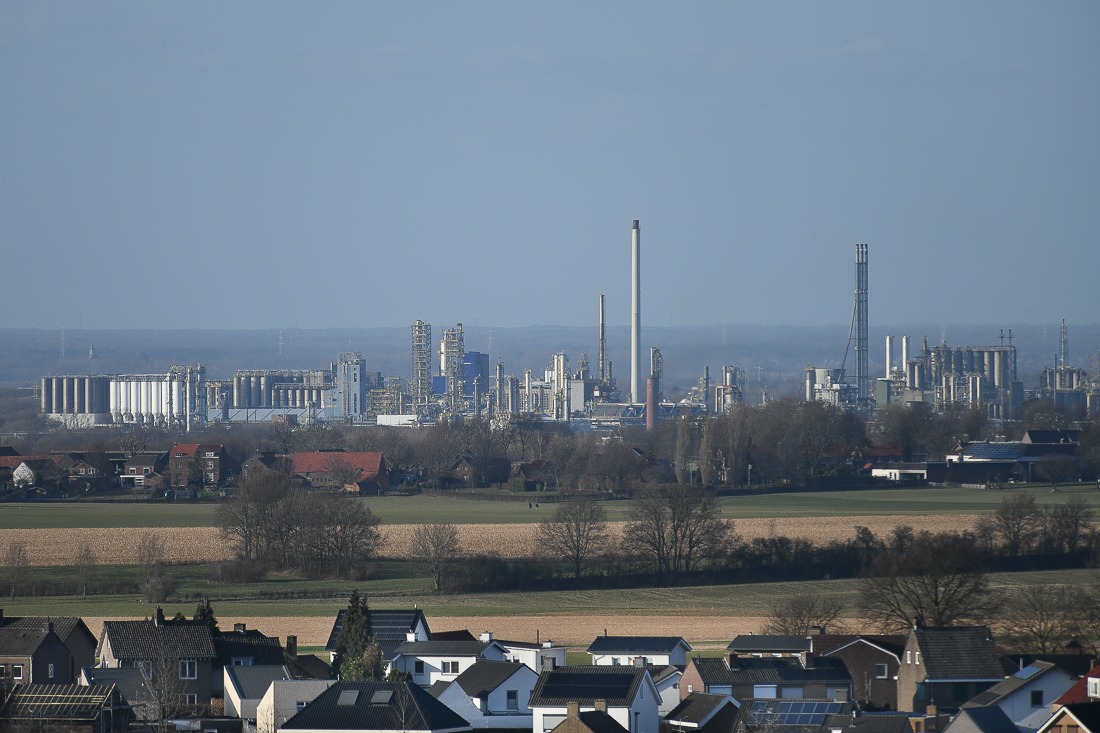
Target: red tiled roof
{"points": [[320, 462], [1079, 691], [13, 461], [881, 450]]}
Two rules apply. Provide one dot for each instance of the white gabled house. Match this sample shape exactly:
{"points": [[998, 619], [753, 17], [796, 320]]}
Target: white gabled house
{"points": [[434, 661], [626, 694], [660, 651], [1026, 696], [490, 694], [540, 656]]}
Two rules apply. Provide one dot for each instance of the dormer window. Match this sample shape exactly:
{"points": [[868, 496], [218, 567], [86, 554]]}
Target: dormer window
{"points": [[209, 454]]}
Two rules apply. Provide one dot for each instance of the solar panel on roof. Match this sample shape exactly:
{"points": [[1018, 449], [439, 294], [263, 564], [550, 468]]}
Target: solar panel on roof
{"points": [[1027, 672]]}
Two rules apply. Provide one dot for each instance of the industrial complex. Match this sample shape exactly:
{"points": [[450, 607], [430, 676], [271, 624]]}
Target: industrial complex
{"points": [[449, 382]]}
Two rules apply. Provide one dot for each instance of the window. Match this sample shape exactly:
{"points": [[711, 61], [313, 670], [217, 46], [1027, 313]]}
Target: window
{"points": [[3, 670], [242, 661], [51, 677], [615, 661], [189, 669], [918, 658], [920, 691], [209, 464], [17, 671], [908, 657], [418, 666], [191, 698], [637, 722], [1094, 686], [145, 470], [1036, 698], [764, 691], [209, 454], [791, 693], [689, 689], [454, 667], [881, 672], [513, 699], [300, 705]]}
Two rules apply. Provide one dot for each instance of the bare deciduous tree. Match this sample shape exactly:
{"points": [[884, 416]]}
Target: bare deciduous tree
{"points": [[577, 533], [676, 529], [84, 562], [1040, 617], [804, 611], [939, 581], [15, 563], [1019, 521], [434, 550]]}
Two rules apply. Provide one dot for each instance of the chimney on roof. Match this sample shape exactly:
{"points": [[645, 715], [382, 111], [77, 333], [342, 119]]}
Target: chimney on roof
{"points": [[292, 647], [486, 636], [412, 636], [47, 627], [572, 710], [240, 627], [158, 617], [601, 705]]}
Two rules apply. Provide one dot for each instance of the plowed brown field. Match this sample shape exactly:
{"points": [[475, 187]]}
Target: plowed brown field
{"points": [[118, 546]]}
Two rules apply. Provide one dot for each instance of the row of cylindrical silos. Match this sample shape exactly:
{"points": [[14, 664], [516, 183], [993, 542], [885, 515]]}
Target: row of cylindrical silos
{"points": [[75, 395], [274, 389], [146, 398]]}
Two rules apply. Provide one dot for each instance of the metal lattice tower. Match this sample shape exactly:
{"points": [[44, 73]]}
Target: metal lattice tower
{"points": [[421, 386], [454, 350], [863, 374]]}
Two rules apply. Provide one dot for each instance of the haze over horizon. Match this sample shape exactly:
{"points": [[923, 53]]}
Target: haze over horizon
{"points": [[237, 166]]}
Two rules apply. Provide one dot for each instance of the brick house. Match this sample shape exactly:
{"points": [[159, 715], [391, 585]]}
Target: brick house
{"points": [[34, 655], [353, 471], [207, 465], [180, 653], [768, 677], [141, 467], [945, 666], [873, 662]]}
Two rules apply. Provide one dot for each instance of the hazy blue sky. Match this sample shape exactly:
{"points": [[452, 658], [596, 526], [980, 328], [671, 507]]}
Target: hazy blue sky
{"points": [[366, 164]]}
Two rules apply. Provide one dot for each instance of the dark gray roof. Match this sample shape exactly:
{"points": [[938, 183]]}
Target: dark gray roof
{"points": [[773, 671], [698, 707], [994, 451], [252, 682], [63, 626], [264, 650], [1075, 665], [1087, 713], [660, 672], [443, 648], [598, 721], [389, 627], [141, 640], [1010, 684], [982, 720], [22, 642], [484, 676], [128, 680], [367, 706], [587, 683], [958, 653], [778, 670], [638, 644], [769, 643], [788, 716], [713, 671]]}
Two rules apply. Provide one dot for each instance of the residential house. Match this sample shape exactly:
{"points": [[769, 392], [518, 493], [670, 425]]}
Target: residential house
{"points": [[432, 661], [391, 629], [32, 472], [245, 686], [244, 647], [627, 693], [946, 666], [667, 681], [69, 707], [769, 677], [1080, 717], [490, 694], [73, 632], [35, 655], [701, 712], [1075, 665], [627, 650], [872, 661], [590, 721], [286, 698], [200, 464], [178, 655], [376, 706], [770, 715], [131, 685], [1025, 697], [141, 467], [352, 471], [539, 656], [1086, 689]]}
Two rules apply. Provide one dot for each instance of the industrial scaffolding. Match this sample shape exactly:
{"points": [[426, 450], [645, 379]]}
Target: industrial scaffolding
{"points": [[421, 385]]}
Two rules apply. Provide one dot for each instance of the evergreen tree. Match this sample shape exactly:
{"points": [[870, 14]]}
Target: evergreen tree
{"points": [[355, 633], [205, 612]]}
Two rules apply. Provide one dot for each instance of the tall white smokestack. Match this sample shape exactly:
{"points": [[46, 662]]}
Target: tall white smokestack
{"points": [[889, 354], [637, 387]]}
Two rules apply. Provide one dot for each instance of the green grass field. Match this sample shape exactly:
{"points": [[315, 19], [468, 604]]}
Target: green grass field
{"points": [[751, 599], [418, 509]]}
